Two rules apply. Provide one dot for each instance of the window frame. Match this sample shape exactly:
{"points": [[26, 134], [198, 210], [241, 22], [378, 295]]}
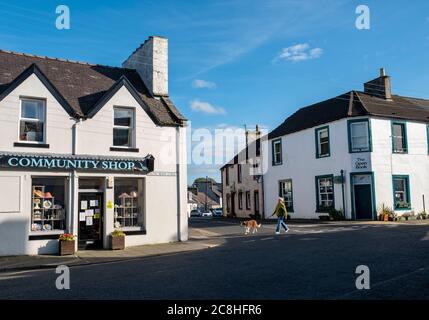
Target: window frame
{"points": [[317, 179], [290, 208], [407, 192], [273, 143], [239, 173], [248, 201], [132, 127], [349, 134], [142, 211], [318, 144], [404, 137], [21, 118]]}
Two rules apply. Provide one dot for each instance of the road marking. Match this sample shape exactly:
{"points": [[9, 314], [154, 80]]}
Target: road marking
{"points": [[248, 241], [270, 238]]}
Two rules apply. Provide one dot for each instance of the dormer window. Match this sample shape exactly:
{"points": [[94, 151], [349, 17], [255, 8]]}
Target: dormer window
{"points": [[123, 128], [32, 120]]}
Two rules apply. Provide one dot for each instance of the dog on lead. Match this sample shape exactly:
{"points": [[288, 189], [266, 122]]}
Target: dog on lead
{"points": [[250, 226]]}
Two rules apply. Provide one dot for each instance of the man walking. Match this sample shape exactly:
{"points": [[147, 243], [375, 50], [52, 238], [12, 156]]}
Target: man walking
{"points": [[281, 214]]}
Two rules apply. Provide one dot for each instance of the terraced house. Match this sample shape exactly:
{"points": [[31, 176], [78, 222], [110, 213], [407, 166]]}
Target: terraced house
{"points": [[353, 152], [86, 149]]}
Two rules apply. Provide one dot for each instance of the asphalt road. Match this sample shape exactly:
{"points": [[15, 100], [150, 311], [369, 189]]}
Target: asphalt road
{"points": [[310, 262]]}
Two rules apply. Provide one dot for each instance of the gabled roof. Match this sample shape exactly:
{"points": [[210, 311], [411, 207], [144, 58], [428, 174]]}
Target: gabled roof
{"points": [[353, 104], [80, 87]]}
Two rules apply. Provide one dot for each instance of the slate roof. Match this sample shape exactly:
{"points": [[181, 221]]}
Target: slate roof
{"points": [[82, 85], [352, 104]]}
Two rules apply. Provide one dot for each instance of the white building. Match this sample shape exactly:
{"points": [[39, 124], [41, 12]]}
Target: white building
{"points": [[85, 149], [377, 141]]}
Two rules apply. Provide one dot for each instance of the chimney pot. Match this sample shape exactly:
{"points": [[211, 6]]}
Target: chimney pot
{"points": [[382, 72]]}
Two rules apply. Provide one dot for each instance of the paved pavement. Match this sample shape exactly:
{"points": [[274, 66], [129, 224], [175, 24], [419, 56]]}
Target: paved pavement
{"points": [[312, 261]]}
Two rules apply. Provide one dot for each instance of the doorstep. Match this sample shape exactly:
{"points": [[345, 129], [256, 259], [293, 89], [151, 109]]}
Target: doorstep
{"points": [[88, 257]]}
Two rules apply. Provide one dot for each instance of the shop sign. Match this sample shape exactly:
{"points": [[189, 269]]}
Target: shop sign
{"points": [[76, 163], [361, 163]]}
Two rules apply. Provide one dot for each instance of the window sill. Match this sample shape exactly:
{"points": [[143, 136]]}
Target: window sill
{"points": [[31, 145], [45, 235], [134, 232], [124, 149], [277, 164], [321, 156]]}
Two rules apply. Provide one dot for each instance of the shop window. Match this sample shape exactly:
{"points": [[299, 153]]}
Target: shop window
{"points": [[325, 193], [123, 129], [285, 191], [322, 142], [129, 200], [32, 121], [399, 137], [401, 192], [48, 204], [359, 136]]}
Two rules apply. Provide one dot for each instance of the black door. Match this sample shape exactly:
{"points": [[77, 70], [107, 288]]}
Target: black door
{"points": [[363, 201], [90, 220]]}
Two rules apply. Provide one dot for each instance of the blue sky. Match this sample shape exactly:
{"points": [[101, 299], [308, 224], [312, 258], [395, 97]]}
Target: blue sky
{"points": [[234, 48]]}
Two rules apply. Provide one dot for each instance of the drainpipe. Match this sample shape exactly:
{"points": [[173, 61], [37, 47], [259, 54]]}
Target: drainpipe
{"points": [[72, 181], [179, 196]]}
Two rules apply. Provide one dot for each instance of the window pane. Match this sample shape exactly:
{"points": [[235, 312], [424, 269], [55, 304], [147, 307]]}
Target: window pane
{"points": [[359, 136], [399, 185], [123, 117], [48, 204], [128, 203], [32, 109], [31, 131], [324, 148], [122, 137]]}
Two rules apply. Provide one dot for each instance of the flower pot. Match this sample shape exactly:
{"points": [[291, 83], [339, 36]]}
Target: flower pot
{"points": [[386, 217], [117, 243], [67, 248]]}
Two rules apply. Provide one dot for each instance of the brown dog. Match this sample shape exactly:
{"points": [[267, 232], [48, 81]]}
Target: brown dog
{"points": [[250, 226]]}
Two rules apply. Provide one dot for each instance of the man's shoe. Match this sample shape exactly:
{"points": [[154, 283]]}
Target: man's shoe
{"points": [[277, 232], [287, 230]]}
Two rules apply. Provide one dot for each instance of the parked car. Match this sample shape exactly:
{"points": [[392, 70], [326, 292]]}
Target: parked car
{"points": [[196, 213], [217, 212], [207, 213]]}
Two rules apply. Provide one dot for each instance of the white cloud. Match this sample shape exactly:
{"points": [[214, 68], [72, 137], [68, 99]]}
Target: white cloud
{"points": [[206, 107], [199, 84], [299, 52]]}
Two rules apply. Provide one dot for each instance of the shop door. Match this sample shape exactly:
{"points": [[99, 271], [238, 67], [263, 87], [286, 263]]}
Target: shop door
{"points": [[90, 220], [363, 201]]}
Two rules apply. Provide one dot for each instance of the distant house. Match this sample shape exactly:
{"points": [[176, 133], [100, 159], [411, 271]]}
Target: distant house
{"points": [[242, 186], [205, 194]]}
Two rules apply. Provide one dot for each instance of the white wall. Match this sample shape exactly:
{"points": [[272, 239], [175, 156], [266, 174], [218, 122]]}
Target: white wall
{"points": [[415, 163], [301, 165], [58, 122]]}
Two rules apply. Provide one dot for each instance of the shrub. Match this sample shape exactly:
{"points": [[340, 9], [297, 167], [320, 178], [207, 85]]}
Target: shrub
{"points": [[336, 215], [386, 210], [117, 233]]}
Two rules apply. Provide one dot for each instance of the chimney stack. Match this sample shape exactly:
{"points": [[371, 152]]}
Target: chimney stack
{"points": [[151, 62], [379, 87]]}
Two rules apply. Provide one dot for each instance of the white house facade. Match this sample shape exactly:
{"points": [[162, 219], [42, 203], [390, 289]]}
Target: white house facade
{"points": [[86, 149], [352, 153]]}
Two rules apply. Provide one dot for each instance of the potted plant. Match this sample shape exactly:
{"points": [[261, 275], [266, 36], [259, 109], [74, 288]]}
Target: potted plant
{"points": [[406, 215], [117, 240], [67, 244], [385, 213]]}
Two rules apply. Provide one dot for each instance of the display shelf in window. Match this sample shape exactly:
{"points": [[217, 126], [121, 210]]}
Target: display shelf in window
{"points": [[127, 210], [46, 215]]}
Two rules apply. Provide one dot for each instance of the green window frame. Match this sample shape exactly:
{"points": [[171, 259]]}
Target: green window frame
{"points": [[286, 192], [403, 138], [350, 124], [405, 203], [318, 132], [320, 194], [275, 161]]}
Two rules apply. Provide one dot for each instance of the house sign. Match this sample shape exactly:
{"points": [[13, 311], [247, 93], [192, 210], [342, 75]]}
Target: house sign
{"points": [[361, 163]]}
